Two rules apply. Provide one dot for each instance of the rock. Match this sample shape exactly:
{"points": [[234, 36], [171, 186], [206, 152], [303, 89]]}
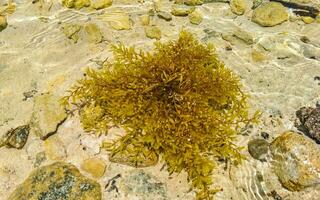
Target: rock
{"points": [[258, 149], [95, 166], [164, 15], [270, 14], [71, 31], [77, 4], [181, 10], [118, 19], [94, 33], [195, 17], [258, 56], [238, 6], [309, 122], [265, 135], [100, 4], [3, 23], [140, 185], [145, 19], [296, 161], [128, 158], [15, 138], [307, 20], [54, 148], [245, 36], [47, 115], [256, 3], [57, 181], [153, 32]]}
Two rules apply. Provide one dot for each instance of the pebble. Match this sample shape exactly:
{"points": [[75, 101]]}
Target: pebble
{"points": [[195, 17], [164, 15], [54, 148], [270, 14], [94, 33], [181, 10], [258, 149], [16, 138], [95, 166], [153, 32], [309, 122]]}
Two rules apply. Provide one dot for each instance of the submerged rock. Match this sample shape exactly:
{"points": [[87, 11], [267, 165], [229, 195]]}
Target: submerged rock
{"points": [[16, 138], [95, 166], [153, 32], [296, 161], [195, 17], [3, 23], [164, 15], [54, 148], [77, 4], [71, 31], [57, 181], [118, 19], [140, 185], [100, 4], [94, 33], [238, 6], [309, 122], [47, 115], [181, 10], [270, 14], [258, 149]]}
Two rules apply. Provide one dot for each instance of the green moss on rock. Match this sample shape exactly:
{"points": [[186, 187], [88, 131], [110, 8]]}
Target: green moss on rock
{"points": [[178, 102]]}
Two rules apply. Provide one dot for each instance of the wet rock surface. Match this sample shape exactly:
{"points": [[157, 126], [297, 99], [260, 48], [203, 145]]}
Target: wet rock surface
{"points": [[296, 161], [57, 181]]}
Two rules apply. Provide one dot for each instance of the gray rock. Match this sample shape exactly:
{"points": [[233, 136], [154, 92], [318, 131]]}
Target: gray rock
{"points": [[57, 181], [16, 138], [47, 115], [258, 149], [144, 186], [296, 161], [164, 15]]}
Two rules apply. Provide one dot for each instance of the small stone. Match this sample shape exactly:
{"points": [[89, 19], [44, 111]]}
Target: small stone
{"points": [[296, 161], [238, 6], [305, 39], [164, 15], [71, 31], [57, 181], [3, 23], [129, 158], [77, 4], [245, 36], [100, 4], [270, 14], [94, 33], [145, 19], [195, 17], [47, 115], [258, 149], [307, 20], [95, 166], [54, 148], [265, 135], [153, 32], [118, 19], [181, 10]]}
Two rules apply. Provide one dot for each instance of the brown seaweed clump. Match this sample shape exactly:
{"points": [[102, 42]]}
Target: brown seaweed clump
{"points": [[178, 102]]}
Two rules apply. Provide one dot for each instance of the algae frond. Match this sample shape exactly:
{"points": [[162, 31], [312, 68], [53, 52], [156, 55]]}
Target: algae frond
{"points": [[179, 102]]}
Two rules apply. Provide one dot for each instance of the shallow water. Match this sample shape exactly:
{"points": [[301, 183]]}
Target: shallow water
{"points": [[36, 55]]}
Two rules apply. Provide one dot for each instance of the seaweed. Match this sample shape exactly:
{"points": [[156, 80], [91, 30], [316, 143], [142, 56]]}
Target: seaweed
{"points": [[178, 101]]}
